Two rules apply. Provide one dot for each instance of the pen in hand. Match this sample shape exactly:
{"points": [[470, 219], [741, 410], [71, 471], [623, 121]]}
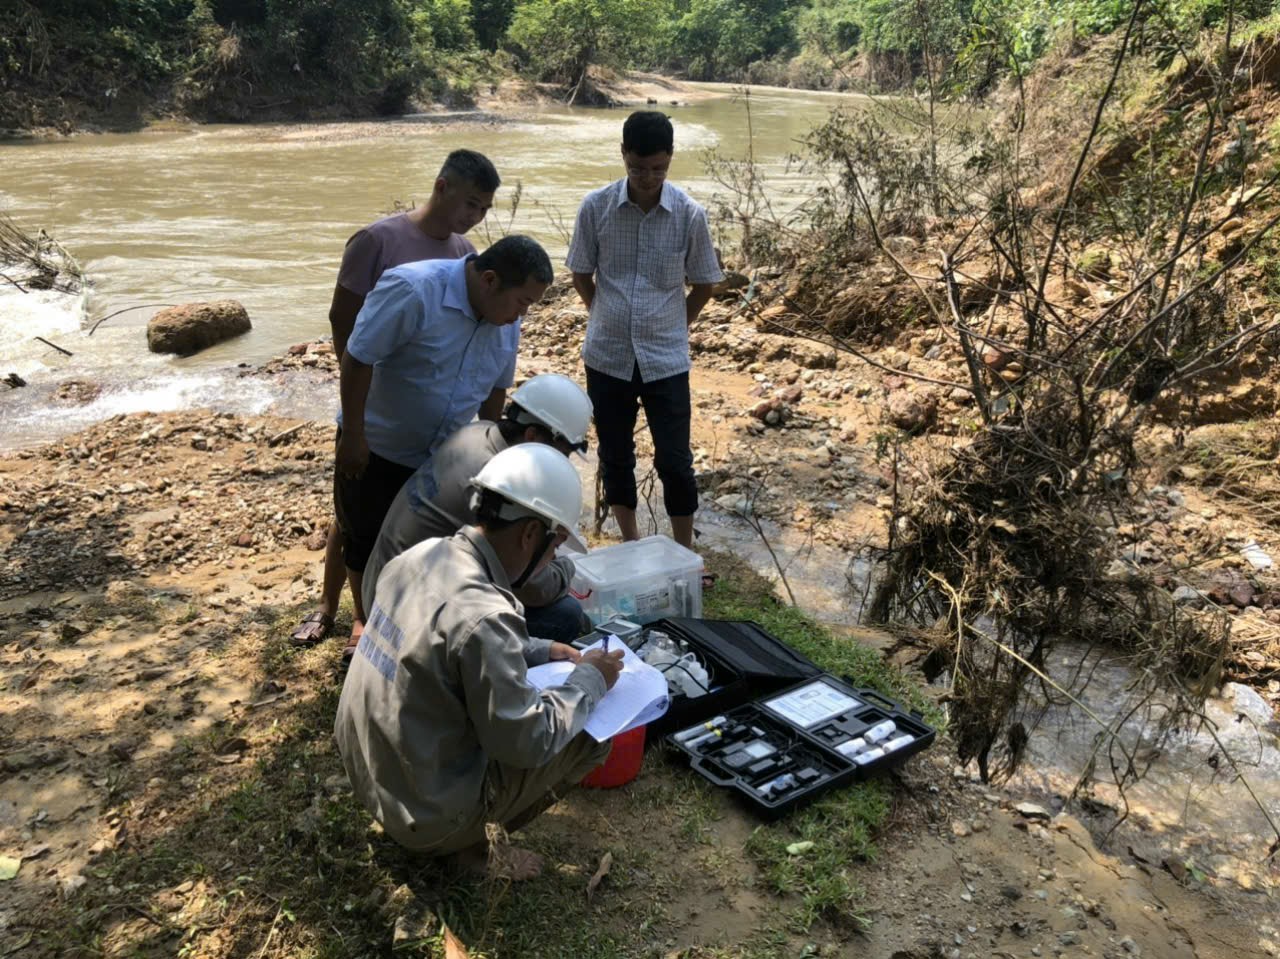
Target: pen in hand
{"points": [[606, 642]]}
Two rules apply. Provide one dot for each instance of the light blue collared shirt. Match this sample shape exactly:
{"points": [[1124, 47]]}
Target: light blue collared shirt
{"points": [[434, 362]]}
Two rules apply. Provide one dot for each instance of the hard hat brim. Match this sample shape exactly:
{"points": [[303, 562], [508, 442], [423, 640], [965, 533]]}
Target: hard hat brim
{"points": [[575, 542]]}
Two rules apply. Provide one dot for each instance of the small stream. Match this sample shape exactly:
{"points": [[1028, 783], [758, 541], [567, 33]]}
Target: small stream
{"points": [[1190, 806]]}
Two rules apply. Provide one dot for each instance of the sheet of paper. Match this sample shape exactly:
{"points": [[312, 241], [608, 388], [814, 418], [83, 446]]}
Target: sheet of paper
{"points": [[811, 704], [638, 697]]}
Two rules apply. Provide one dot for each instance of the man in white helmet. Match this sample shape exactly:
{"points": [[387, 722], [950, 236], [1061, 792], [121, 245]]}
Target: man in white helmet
{"points": [[439, 729], [436, 500]]}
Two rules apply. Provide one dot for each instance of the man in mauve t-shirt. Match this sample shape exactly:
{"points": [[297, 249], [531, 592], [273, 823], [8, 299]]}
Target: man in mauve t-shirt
{"points": [[460, 198]]}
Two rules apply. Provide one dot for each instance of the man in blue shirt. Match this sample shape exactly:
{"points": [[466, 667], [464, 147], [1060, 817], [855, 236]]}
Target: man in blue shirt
{"points": [[434, 343]]}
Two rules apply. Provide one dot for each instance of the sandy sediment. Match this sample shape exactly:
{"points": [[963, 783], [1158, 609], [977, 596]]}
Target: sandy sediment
{"points": [[152, 565]]}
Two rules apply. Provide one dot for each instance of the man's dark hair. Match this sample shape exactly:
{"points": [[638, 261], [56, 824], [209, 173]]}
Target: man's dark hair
{"points": [[647, 132], [489, 505], [468, 166], [511, 426], [516, 259], [516, 419]]}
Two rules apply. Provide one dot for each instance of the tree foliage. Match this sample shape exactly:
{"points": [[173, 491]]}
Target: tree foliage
{"points": [[717, 38], [490, 19], [559, 39], [236, 59]]}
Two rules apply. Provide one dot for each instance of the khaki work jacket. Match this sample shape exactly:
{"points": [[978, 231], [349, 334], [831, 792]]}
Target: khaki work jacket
{"points": [[437, 691]]}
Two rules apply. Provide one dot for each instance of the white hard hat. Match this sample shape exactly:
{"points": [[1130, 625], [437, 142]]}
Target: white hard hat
{"points": [[539, 481], [558, 403]]}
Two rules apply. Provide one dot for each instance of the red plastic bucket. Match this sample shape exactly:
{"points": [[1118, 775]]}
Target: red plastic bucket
{"points": [[623, 764]]}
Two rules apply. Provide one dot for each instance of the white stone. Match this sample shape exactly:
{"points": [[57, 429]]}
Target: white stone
{"points": [[1246, 701]]}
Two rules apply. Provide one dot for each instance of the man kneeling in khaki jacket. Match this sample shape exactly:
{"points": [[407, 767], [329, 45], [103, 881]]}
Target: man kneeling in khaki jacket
{"points": [[439, 729]]}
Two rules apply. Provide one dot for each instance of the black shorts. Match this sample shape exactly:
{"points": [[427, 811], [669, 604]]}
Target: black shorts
{"points": [[361, 505]]}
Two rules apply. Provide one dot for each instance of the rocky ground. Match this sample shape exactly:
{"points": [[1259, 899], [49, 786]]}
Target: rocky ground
{"points": [[794, 431], [151, 566], [137, 712]]}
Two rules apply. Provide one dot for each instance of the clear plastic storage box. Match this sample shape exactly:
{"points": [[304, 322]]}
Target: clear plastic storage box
{"points": [[646, 579]]}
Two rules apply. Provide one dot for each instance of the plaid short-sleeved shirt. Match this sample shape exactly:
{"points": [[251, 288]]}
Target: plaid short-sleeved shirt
{"points": [[641, 262]]}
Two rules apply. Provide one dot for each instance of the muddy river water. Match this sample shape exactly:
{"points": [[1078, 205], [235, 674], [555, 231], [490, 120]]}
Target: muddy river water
{"points": [[260, 214]]}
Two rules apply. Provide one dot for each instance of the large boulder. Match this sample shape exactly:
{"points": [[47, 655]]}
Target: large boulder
{"points": [[191, 327]]}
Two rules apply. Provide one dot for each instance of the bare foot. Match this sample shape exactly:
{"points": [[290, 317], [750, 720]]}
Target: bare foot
{"points": [[353, 641]]}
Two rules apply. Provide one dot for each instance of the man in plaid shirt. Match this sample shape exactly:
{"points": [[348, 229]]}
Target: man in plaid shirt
{"points": [[635, 244]]}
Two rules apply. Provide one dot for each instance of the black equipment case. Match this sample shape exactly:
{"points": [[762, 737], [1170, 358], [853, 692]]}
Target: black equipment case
{"points": [[786, 748], [743, 662]]}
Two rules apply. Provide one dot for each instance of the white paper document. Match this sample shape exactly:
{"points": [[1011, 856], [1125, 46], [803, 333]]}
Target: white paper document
{"points": [[811, 704], [638, 697]]}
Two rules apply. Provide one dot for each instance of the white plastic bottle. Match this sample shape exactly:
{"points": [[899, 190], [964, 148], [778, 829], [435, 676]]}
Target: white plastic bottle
{"points": [[897, 743], [880, 732], [689, 675]]}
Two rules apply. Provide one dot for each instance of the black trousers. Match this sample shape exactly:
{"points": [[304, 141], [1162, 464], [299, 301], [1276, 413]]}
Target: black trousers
{"points": [[667, 408]]}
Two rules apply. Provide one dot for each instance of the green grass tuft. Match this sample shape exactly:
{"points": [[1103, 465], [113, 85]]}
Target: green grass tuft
{"points": [[842, 823], [741, 593]]}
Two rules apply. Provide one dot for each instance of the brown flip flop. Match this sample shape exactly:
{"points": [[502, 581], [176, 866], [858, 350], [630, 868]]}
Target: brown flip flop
{"points": [[311, 630]]}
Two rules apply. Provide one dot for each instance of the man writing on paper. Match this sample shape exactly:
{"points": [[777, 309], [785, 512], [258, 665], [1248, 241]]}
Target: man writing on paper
{"points": [[439, 729]]}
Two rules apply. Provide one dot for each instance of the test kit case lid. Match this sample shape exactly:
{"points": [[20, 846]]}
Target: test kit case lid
{"points": [[758, 656], [744, 659]]}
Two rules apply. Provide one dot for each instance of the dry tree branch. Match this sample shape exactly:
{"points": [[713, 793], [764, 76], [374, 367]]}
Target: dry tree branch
{"points": [[1084, 152], [557, 221], [1139, 285], [749, 515], [966, 344], [873, 226], [1101, 377], [141, 306], [1033, 669], [1212, 728], [838, 342]]}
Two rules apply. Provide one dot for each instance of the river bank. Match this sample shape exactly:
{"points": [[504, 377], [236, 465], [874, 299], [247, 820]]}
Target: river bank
{"points": [[155, 563], [171, 782], [506, 93]]}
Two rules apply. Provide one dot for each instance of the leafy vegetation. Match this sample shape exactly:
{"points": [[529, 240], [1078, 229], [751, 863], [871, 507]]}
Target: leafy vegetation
{"points": [[64, 60]]}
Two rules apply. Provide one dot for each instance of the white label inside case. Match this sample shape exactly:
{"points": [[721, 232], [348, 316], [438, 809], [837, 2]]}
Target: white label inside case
{"points": [[810, 705]]}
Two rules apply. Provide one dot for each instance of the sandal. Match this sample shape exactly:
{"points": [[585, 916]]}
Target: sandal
{"points": [[311, 630], [353, 643]]}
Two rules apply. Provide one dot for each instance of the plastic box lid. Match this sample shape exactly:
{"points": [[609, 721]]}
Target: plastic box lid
{"points": [[634, 561]]}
